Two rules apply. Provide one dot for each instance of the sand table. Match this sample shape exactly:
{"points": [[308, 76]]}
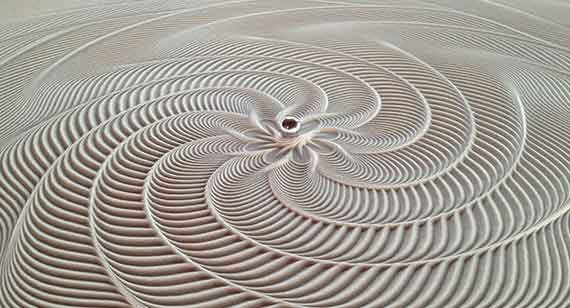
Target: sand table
{"points": [[286, 154]]}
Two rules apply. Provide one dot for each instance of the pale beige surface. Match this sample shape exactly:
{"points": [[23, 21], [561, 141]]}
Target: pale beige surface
{"points": [[16, 9], [295, 153]]}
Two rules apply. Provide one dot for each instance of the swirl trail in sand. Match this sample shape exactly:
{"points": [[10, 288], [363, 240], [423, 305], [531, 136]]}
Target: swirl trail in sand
{"points": [[145, 161]]}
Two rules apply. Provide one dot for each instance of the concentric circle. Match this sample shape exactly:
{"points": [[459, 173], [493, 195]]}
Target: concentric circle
{"points": [[286, 154]]}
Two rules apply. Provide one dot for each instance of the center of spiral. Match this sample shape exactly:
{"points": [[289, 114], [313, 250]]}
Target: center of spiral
{"points": [[290, 124]]}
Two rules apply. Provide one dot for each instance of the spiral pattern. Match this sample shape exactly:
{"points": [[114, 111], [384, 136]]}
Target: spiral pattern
{"points": [[286, 154]]}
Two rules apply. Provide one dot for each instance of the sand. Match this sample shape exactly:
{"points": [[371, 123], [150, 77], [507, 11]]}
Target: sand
{"points": [[285, 154]]}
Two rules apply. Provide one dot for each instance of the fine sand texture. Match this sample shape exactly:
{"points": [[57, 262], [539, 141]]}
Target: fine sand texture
{"points": [[299, 153]]}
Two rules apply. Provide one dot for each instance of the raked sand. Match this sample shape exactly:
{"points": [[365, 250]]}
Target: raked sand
{"points": [[286, 153]]}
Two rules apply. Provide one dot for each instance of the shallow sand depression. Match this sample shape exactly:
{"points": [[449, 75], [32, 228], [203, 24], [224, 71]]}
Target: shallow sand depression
{"points": [[286, 154]]}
